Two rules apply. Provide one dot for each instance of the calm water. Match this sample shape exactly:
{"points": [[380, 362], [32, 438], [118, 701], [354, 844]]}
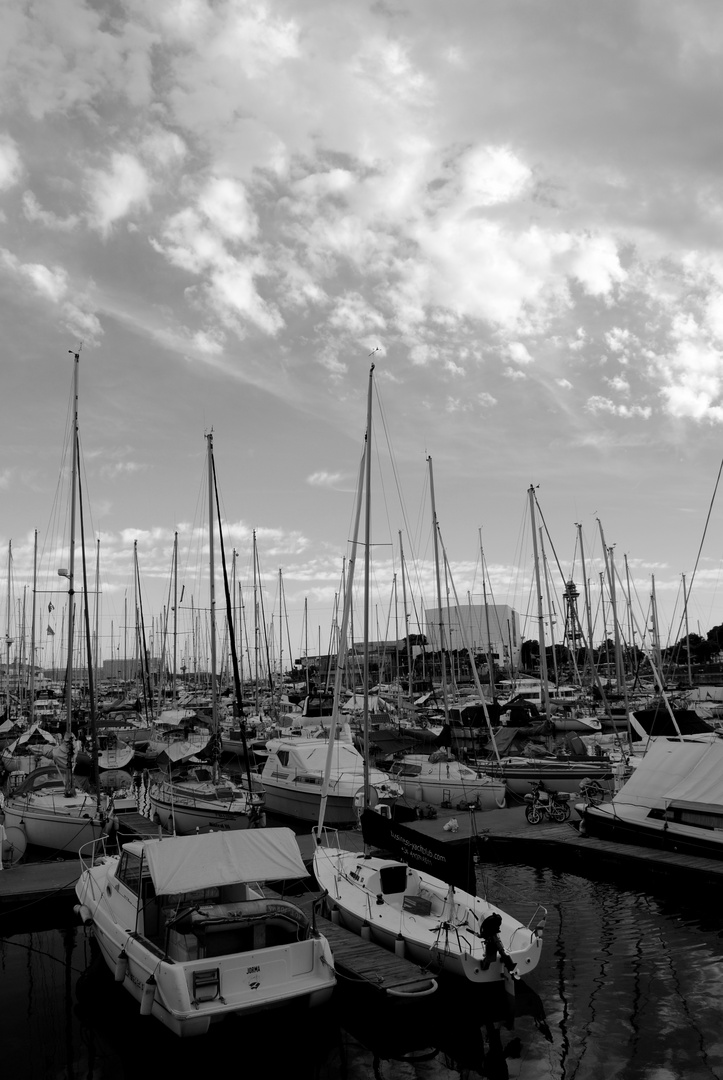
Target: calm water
{"points": [[631, 983]]}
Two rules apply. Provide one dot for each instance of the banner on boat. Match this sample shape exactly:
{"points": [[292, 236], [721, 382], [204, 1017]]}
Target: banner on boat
{"points": [[450, 861]]}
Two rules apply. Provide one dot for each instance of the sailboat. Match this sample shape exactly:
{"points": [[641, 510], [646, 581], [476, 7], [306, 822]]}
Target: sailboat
{"points": [[403, 909], [48, 807], [206, 801]]}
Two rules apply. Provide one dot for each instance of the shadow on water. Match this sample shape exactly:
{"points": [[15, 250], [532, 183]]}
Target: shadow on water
{"points": [[68, 1018]]}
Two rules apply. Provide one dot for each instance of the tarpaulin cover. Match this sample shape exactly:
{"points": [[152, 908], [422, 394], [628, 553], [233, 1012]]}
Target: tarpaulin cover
{"points": [[669, 765], [702, 788], [183, 864]]}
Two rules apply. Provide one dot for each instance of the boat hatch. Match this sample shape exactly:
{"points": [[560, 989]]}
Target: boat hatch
{"points": [[206, 986], [393, 878]]}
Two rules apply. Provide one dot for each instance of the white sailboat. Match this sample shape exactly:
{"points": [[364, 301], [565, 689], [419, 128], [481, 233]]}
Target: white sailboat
{"points": [[443, 927], [47, 807], [205, 800]]}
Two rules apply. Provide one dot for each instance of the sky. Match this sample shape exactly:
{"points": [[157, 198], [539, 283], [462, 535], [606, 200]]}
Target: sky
{"points": [[512, 208]]}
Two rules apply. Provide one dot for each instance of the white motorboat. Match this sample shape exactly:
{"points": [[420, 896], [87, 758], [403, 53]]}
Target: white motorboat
{"points": [[293, 775], [187, 929], [441, 780], [440, 926]]}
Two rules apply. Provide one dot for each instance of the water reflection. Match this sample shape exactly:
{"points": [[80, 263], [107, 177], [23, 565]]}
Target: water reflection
{"points": [[630, 986]]}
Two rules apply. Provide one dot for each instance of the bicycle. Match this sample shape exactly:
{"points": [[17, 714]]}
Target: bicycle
{"points": [[542, 804]]}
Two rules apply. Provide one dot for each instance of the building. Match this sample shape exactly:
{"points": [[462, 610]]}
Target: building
{"points": [[488, 628]]}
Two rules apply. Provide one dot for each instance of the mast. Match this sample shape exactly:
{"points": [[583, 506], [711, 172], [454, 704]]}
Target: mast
{"points": [[32, 630], [540, 611], [608, 555], [175, 617], [490, 662], [69, 573], [256, 628], [406, 617], [212, 606], [588, 614], [549, 608], [367, 560], [342, 645], [687, 634], [443, 665], [8, 639]]}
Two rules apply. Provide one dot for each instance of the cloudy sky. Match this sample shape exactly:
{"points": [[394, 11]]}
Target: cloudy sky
{"points": [[232, 204]]}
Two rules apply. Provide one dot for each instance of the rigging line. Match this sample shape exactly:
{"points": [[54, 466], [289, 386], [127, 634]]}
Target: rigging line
{"points": [[392, 460], [702, 539]]}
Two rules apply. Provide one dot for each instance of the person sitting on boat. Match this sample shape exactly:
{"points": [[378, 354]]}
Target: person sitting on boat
{"points": [[490, 934]]}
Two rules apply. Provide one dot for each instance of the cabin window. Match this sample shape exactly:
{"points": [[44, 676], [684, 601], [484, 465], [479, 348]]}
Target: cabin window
{"points": [[129, 871], [283, 756]]}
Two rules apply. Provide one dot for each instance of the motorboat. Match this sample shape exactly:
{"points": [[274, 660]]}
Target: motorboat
{"points": [[199, 803], [439, 926], [186, 927], [293, 776], [442, 780], [673, 799]]}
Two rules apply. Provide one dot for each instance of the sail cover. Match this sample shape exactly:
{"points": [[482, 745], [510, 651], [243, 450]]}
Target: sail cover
{"points": [[182, 864], [702, 788]]}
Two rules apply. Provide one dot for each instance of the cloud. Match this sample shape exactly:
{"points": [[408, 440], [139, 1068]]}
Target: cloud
{"points": [[11, 168], [114, 193], [34, 212], [324, 479]]}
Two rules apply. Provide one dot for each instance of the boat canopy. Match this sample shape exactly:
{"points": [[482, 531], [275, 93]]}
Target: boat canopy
{"points": [[669, 770], [183, 864], [702, 788]]}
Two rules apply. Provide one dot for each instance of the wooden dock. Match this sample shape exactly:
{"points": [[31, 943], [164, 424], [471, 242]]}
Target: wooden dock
{"points": [[365, 962], [507, 835]]}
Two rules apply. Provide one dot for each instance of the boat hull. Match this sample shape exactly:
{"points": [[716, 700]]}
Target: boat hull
{"points": [[191, 819], [64, 831], [303, 805], [519, 775], [631, 828]]}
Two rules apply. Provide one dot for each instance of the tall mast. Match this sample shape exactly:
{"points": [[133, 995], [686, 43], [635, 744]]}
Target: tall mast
{"points": [[32, 630], [367, 560], [256, 627], [69, 573], [406, 617], [212, 601], [442, 662], [175, 617], [540, 611], [490, 662], [687, 634], [8, 639]]}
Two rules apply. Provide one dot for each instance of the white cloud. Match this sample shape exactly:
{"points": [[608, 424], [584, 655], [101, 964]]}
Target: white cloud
{"points": [[34, 212], [518, 353], [116, 192], [226, 205], [325, 479], [11, 168], [596, 265]]}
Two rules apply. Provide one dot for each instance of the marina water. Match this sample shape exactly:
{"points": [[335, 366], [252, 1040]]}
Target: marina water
{"points": [[630, 984]]}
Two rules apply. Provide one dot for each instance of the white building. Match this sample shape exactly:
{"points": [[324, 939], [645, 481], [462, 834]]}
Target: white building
{"points": [[493, 628]]}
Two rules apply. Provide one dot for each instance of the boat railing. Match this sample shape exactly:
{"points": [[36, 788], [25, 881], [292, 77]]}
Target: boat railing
{"points": [[95, 850]]}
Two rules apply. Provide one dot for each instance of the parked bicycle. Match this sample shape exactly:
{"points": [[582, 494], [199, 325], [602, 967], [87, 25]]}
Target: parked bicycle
{"points": [[542, 804]]}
